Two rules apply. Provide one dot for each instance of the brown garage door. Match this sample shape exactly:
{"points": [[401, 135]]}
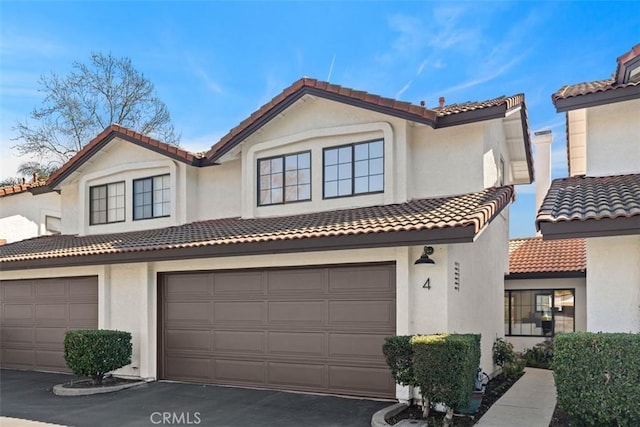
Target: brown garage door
{"points": [[35, 314], [308, 329]]}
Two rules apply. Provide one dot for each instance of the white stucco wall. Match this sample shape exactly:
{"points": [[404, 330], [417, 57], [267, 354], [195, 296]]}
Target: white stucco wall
{"points": [[613, 284], [578, 284], [23, 215], [613, 139]]}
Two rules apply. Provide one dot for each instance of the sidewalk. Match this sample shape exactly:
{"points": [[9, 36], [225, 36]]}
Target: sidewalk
{"points": [[530, 402]]}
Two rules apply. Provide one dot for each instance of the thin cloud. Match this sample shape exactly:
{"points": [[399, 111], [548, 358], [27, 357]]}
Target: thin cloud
{"points": [[404, 89], [201, 73]]}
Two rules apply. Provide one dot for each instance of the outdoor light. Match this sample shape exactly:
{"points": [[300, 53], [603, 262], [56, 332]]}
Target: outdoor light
{"points": [[424, 258]]}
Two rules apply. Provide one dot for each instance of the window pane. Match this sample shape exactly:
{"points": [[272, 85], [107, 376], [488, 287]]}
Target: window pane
{"points": [[276, 165], [304, 192], [291, 193], [304, 176], [265, 182], [376, 183], [265, 167], [120, 214], [344, 187], [330, 157], [276, 195], [146, 211], [291, 163], [146, 198], [362, 168], [265, 197], [361, 152], [137, 186], [291, 177], [344, 155], [376, 149], [362, 185], [376, 166], [344, 171], [276, 180], [330, 173], [304, 161], [166, 208], [331, 189], [157, 209], [137, 212], [146, 185]]}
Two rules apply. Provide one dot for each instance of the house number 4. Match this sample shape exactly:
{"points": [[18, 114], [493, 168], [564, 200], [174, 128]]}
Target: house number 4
{"points": [[427, 283]]}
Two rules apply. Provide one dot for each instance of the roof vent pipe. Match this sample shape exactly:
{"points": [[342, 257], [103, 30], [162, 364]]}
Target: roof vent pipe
{"points": [[441, 101]]}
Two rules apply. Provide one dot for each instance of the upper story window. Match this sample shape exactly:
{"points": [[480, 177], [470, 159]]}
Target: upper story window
{"points": [[284, 179], [354, 169], [152, 197], [106, 203]]}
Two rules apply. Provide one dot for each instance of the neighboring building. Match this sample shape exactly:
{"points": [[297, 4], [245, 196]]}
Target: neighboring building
{"points": [[545, 291], [28, 210], [600, 200], [283, 256]]}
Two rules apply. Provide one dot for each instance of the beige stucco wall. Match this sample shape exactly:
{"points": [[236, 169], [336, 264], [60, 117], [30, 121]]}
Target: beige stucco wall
{"points": [[580, 301], [613, 139], [613, 284], [22, 216]]}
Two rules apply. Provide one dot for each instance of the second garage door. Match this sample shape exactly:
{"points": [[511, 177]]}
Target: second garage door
{"points": [[308, 329], [35, 314]]}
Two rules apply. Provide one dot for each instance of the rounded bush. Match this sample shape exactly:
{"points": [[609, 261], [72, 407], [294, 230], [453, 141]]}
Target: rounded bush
{"points": [[95, 352]]}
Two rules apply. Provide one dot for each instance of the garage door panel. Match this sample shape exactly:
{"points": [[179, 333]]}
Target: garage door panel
{"points": [[51, 288], [51, 360], [178, 285], [305, 344], [311, 312], [15, 313], [177, 339], [240, 371], [283, 328], [350, 378], [238, 283], [17, 335], [194, 368], [189, 312], [297, 374], [17, 289], [298, 281], [49, 312], [373, 279], [357, 345], [239, 341], [361, 312], [82, 312], [36, 315], [245, 312], [50, 336]]}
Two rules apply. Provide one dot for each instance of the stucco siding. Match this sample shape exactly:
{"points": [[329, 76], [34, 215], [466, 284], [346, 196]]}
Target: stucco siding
{"points": [[613, 284], [23, 216], [613, 139]]}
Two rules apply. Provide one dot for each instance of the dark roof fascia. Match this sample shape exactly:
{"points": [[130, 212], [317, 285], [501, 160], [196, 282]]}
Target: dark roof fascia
{"points": [[622, 226], [100, 145], [597, 98], [359, 241], [472, 116], [306, 90], [524, 120], [41, 190], [546, 275]]}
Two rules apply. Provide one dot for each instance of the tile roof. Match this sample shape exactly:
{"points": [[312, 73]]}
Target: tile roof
{"points": [[586, 88], [116, 130], [345, 94], [468, 212], [509, 101], [20, 188], [582, 198], [534, 255]]}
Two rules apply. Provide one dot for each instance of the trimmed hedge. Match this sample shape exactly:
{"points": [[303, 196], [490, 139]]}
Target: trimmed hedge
{"points": [[399, 355], [597, 377], [95, 352], [445, 367]]}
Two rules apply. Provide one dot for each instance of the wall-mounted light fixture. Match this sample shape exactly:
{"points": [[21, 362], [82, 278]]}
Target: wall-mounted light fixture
{"points": [[424, 258]]}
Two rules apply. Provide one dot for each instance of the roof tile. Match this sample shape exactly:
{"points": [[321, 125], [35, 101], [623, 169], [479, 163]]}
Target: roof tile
{"points": [[534, 255], [469, 210], [10, 190]]}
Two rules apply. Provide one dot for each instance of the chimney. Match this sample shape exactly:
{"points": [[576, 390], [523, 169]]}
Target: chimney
{"points": [[422, 103], [441, 101], [542, 141]]}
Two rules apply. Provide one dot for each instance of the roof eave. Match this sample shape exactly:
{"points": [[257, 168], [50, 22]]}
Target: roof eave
{"points": [[342, 242], [546, 275], [597, 98], [472, 116], [604, 227]]}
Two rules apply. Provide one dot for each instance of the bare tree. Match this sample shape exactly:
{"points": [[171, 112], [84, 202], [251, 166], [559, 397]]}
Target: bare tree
{"points": [[80, 105]]}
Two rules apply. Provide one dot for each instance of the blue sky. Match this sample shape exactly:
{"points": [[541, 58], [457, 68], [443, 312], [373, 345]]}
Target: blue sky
{"points": [[213, 63]]}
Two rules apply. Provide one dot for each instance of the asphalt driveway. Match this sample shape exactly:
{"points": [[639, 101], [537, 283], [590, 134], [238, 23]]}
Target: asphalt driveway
{"points": [[28, 395]]}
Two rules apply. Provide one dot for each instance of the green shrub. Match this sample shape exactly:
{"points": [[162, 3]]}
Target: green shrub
{"points": [[540, 356], [399, 355], [597, 377], [95, 352], [445, 368], [503, 353], [514, 368]]}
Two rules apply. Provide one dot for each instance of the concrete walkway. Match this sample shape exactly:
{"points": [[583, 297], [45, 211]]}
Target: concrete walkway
{"points": [[530, 402]]}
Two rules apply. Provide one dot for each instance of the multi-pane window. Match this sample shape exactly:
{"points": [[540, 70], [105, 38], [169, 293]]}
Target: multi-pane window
{"points": [[284, 179], [354, 169], [152, 197], [540, 312], [106, 203]]}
